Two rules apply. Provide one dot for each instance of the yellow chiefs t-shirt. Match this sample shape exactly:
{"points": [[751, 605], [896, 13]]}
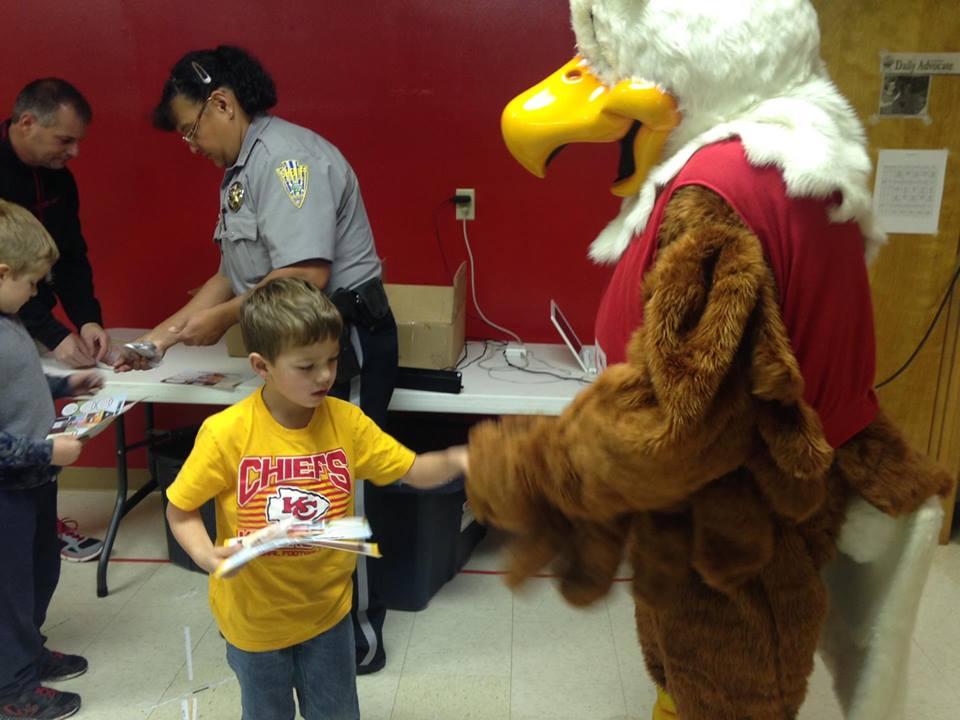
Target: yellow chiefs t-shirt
{"points": [[261, 472]]}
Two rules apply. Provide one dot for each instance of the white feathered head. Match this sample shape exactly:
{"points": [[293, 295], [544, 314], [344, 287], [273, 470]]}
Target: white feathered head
{"points": [[665, 78]]}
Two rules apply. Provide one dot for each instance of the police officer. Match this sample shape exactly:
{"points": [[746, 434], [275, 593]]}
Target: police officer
{"points": [[290, 205]]}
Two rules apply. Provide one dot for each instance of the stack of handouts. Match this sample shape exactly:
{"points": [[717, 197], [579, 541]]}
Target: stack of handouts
{"points": [[348, 534], [88, 418]]}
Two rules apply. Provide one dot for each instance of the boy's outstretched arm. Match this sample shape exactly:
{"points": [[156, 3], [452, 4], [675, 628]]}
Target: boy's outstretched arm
{"points": [[433, 469], [188, 528]]}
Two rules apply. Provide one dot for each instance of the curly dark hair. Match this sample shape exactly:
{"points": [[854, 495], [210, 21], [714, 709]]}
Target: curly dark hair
{"points": [[200, 72]]}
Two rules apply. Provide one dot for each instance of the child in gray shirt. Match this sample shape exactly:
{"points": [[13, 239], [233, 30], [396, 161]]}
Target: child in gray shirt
{"points": [[29, 464]]}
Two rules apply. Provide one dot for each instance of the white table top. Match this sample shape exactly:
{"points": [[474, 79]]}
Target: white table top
{"points": [[490, 385]]}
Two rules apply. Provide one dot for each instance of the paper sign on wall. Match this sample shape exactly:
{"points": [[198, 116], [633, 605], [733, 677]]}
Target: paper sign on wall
{"points": [[920, 63], [909, 190], [906, 80]]}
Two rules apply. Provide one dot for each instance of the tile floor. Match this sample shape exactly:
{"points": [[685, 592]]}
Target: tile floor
{"points": [[477, 652]]}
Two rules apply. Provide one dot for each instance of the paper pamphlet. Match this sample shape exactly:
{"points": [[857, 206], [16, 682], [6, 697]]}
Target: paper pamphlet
{"points": [[347, 534], [88, 418], [207, 378]]}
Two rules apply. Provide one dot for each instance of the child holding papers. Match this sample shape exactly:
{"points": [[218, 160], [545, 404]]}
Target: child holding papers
{"points": [[29, 465], [289, 453]]}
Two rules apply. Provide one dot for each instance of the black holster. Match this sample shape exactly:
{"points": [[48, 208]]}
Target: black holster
{"points": [[366, 306]]}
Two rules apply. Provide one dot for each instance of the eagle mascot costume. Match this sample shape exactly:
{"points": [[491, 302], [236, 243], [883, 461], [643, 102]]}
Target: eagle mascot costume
{"points": [[732, 450]]}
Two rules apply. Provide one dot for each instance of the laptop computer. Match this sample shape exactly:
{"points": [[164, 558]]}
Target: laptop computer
{"points": [[585, 355]]}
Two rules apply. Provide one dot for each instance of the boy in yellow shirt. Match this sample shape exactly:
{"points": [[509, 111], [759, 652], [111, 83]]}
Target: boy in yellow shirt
{"points": [[289, 450]]}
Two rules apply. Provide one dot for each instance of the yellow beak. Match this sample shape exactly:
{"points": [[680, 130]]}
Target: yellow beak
{"points": [[572, 105]]}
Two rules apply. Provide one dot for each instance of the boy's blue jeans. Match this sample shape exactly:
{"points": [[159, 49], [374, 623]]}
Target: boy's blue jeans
{"points": [[321, 670], [29, 572]]}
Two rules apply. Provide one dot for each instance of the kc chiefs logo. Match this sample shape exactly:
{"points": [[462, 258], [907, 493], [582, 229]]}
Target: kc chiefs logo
{"points": [[258, 474], [294, 502]]}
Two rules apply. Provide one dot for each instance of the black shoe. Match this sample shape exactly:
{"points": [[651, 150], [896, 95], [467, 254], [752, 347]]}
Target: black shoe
{"points": [[57, 666], [376, 665], [41, 703]]}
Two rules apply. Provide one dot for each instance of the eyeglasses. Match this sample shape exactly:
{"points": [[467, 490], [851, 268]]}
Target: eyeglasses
{"points": [[205, 78], [191, 134]]}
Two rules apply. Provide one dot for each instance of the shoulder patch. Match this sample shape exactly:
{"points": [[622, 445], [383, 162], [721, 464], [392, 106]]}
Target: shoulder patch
{"points": [[294, 177]]}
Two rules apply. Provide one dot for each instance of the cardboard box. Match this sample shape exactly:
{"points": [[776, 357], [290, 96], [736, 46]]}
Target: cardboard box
{"points": [[234, 340], [430, 321]]}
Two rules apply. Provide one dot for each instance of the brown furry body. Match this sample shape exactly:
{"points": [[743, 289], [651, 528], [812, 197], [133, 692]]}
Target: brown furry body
{"points": [[699, 459]]}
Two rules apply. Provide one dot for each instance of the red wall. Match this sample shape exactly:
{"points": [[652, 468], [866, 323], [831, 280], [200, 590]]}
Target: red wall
{"points": [[410, 90]]}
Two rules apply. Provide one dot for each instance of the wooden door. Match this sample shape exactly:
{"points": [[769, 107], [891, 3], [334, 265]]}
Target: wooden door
{"points": [[911, 276]]}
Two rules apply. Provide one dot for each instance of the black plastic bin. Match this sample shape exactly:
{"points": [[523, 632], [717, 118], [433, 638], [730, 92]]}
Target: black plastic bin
{"points": [[169, 457], [426, 536]]}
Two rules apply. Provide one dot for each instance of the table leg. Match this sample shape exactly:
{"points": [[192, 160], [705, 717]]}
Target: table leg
{"points": [[123, 505], [118, 507], [151, 435]]}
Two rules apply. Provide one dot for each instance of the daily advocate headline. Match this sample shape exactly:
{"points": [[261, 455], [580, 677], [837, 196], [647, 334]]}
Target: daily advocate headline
{"points": [[920, 63]]}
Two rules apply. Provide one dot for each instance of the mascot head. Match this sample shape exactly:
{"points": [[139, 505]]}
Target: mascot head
{"points": [[665, 78]]}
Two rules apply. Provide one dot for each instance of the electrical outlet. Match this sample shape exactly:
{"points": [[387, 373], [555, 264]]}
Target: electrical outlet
{"points": [[467, 211]]}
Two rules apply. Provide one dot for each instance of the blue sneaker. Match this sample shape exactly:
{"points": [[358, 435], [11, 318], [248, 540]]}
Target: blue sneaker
{"points": [[75, 547]]}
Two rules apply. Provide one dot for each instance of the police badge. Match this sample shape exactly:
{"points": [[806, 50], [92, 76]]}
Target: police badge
{"points": [[294, 176], [235, 196]]}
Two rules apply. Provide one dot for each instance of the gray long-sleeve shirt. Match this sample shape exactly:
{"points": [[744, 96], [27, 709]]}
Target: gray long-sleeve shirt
{"points": [[26, 409]]}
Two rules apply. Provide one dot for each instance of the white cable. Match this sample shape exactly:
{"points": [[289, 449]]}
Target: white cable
{"points": [[189, 648], [473, 288], [189, 695]]}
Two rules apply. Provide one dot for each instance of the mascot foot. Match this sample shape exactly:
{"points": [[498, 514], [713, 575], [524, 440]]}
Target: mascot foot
{"points": [[665, 709]]}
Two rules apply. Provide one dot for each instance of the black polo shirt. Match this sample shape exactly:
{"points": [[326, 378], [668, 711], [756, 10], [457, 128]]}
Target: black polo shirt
{"points": [[51, 195]]}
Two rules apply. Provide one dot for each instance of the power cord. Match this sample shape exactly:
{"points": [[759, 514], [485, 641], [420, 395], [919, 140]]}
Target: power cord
{"points": [[521, 368], [933, 323], [436, 231], [473, 289], [463, 200], [486, 348]]}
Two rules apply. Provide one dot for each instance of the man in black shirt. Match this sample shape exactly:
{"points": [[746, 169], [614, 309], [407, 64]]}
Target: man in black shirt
{"points": [[50, 118]]}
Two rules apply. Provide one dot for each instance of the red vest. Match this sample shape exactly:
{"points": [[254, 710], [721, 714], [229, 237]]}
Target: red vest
{"points": [[820, 272]]}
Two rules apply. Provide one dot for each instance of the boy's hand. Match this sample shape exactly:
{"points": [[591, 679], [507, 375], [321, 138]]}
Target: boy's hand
{"points": [[87, 382], [219, 553], [66, 450]]}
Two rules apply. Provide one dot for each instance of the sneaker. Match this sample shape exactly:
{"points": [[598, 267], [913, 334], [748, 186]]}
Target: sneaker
{"points": [[74, 546], [58, 666], [41, 703]]}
